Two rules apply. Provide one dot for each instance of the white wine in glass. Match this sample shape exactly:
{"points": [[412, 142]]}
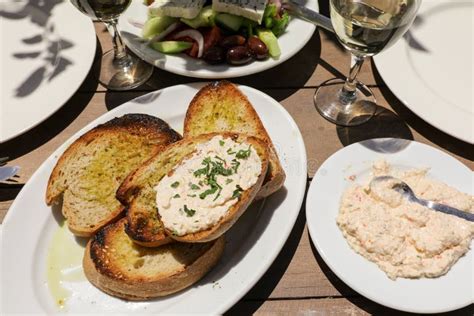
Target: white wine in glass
{"points": [[119, 70], [364, 27]]}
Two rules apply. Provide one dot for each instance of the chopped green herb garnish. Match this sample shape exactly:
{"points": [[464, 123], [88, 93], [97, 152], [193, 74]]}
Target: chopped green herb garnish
{"points": [[243, 154], [227, 181], [203, 171], [192, 195], [221, 142], [237, 192], [230, 152], [201, 183], [194, 186], [175, 184], [235, 165], [189, 211], [219, 158], [176, 196], [212, 190]]}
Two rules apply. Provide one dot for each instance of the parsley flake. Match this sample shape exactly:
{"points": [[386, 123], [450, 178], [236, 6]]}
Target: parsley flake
{"points": [[189, 211], [175, 184], [221, 142], [194, 186], [176, 196], [237, 192], [243, 154]]}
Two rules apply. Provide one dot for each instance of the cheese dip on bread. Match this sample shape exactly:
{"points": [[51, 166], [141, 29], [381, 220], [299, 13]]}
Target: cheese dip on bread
{"points": [[403, 238], [198, 193]]}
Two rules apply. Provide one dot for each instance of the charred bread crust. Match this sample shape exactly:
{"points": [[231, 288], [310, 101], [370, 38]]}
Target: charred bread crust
{"points": [[144, 225], [108, 274]]}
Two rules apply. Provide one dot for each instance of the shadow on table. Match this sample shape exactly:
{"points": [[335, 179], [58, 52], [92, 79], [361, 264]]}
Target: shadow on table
{"points": [[428, 131], [56, 123], [365, 304], [265, 286], [385, 123]]}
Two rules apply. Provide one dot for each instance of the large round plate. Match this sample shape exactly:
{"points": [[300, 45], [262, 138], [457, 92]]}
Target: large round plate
{"points": [[297, 35], [252, 244], [451, 291], [47, 51], [431, 71]]}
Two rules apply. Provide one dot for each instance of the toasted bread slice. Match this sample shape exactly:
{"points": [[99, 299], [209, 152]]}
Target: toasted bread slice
{"points": [[138, 191], [222, 107], [119, 267], [89, 172]]}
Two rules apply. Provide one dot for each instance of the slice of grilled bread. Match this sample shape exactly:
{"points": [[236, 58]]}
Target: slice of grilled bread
{"points": [[89, 172], [119, 267], [222, 107], [138, 191]]}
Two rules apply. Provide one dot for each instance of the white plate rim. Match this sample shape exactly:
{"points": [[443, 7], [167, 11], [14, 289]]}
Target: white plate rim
{"points": [[311, 200], [207, 71], [416, 96], [221, 306], [80, 67]]}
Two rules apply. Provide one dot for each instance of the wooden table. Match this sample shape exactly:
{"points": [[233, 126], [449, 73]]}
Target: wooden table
{"points": [[298, 281]]}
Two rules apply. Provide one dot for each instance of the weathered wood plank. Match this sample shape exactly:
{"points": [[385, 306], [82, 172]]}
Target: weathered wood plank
{"points": [[322, 307]]}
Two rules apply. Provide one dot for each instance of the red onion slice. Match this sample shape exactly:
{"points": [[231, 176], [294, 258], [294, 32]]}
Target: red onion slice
{"points": [[136, 23], [196, 36], [166, 32]]}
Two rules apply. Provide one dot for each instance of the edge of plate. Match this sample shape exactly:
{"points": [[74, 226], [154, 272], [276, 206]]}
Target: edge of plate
{"points": [[227, 304], [343, 279]]}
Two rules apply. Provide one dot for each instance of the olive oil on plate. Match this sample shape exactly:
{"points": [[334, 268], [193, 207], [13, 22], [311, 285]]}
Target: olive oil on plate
{"points": [[64, 264]]}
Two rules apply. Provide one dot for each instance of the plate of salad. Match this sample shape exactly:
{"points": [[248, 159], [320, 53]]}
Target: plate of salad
{"points": [[214, 39]]}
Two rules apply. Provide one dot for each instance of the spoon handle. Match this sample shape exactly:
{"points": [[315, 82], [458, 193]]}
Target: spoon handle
{"points": [[447, 209], [309, 15]]}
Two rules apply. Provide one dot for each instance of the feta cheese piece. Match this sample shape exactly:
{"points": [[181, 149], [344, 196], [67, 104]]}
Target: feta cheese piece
{"points": [[250, 9], [187, 9]]}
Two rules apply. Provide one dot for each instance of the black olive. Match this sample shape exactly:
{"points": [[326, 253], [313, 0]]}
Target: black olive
{"points": [[214, 55], [232, 41], [239, 55], [257, 48]]}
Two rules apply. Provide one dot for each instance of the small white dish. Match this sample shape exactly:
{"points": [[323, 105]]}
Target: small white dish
{"points": [[295, 38], [449, 292], [47, 50], [431, 69], [251, 245]]}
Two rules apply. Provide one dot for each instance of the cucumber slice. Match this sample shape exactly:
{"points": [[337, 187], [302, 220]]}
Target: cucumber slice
{"points": [[171, 47], [267, 37], [205, 18], [156, 25], [229, 21]]}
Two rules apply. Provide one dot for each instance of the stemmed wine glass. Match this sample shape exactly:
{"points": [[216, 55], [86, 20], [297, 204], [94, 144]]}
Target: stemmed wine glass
{"points": [[364, 27], [119, 70]]}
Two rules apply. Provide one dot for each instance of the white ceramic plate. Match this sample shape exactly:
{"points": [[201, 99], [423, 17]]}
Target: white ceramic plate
{"points": [[47, 50], [432, 74], [297, 35], [252, 244], [451, 291]]}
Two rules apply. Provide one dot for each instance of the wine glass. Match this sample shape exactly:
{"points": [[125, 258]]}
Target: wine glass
{"points": [[364, 27], [119, 70]]}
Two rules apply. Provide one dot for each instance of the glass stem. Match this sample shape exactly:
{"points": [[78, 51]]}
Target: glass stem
{"points": [[348, 92], [120, 54]]}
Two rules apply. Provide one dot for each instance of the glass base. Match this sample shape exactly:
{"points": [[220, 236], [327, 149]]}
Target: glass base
{"points": [[124, 75], [354, 112]]}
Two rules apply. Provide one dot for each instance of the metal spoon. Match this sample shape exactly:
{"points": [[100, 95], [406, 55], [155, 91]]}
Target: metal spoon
{"points": [[299, 10], [403, 188]]}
